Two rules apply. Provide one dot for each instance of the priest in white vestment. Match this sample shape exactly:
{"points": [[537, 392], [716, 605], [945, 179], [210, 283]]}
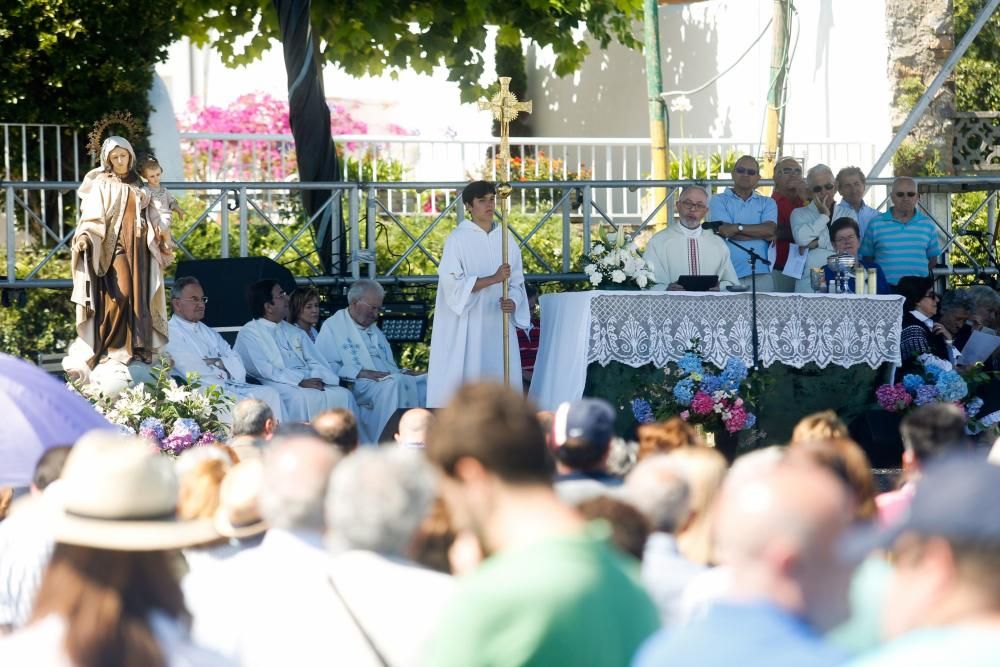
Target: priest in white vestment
{"points": [[685, 249], [811, 224], [281, 356], [466, 343], [351, 341], [196, 348]]}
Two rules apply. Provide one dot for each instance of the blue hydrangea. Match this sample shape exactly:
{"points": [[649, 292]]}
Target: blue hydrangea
{"points": [[710, 383], [684, 391], [951, 386], [751, 420], [642, 411], [186, 427], [933, 371], [927, 393], [912, 382], [690, 363], [974, 406], [151, 426]]}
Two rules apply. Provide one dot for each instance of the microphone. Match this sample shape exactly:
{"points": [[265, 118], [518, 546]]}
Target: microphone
{"points": [[971, 232], [712, 226]]}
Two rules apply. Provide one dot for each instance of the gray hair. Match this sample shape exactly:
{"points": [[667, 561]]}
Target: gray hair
{"points": [[956, 299], [694, 186], [816, 170], [361, 287], [296, 476], [984, 296], [249, 417], [378, 499], [181, 283], [659, 491]]}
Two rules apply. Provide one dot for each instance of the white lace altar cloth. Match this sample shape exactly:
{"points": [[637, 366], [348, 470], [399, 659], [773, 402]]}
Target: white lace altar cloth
{"points": [[637, 328]]}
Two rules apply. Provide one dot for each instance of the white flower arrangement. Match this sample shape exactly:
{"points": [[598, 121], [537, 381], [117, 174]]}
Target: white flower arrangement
{"points": [[616, 264]]}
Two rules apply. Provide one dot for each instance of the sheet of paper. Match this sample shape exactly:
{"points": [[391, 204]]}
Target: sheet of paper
{"points": [[796, 262], [979, 348]]}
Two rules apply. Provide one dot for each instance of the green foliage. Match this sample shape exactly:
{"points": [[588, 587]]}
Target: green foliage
{"points": [[908, 91], [963, 205], [376, 37], [38, 320], [915, 157], [977, 77], [73, 61]]}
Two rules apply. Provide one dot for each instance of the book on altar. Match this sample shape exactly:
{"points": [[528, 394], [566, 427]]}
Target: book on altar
{"points": [[979, 347]]}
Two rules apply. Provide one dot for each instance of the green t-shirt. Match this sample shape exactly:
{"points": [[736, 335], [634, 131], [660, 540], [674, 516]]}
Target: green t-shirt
{"points": [[568, 600]]}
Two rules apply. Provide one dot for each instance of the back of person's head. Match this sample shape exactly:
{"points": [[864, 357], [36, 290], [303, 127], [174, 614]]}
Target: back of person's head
{"points": [[259, 294], [956, 299], [581, 433], [413, 426], [296, 475], [377, 500], [292, 429], [845, 459], [629, 527], [666, 436], [913, 289], [780, 533], [495, 426], [933, 429], [658, 490], [704, 469], [200, 471], [251, 417], [434, 538], [819, 426], [49, 467], [339, 427]]}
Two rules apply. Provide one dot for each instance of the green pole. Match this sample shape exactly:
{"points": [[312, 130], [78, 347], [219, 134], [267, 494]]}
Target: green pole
{"points": [[659, 128]]}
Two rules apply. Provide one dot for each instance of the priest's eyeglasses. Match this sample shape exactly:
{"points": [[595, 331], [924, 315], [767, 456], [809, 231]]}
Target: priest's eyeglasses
{"points": [[693, 205], [196, 299], [374, 309]]}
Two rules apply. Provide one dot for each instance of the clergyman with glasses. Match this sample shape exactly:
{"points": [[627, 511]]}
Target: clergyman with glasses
{"points": [[685, 249], [749, 218], [197, 348], [903, 241], [351, 341], [811, 224]]}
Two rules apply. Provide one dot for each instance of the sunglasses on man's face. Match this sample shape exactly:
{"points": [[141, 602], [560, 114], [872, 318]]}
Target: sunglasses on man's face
{"points": [[820, 188], [745, 170], [791, 170], [906, 194]]}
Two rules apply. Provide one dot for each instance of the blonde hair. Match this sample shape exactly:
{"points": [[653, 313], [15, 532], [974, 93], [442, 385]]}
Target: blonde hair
{"points": [[200, 476], [819, 426], [666, 436], [704, 469]]}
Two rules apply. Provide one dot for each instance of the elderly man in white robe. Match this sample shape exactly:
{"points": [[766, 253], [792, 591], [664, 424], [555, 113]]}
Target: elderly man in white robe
{"points": [[351, 341], [467, 339], [811, 224], [196, 348], [685, 249], [281, 356]]}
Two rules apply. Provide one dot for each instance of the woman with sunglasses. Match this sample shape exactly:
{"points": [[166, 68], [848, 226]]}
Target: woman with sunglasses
{"points": [[811, 224], [923, 342]]}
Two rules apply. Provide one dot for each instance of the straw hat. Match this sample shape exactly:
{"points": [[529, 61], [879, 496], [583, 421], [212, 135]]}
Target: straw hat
{"points": [[238, 515], [118, 493]]}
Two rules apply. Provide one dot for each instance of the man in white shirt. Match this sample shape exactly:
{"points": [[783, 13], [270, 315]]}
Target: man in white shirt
{"points": [[851, 186], [281, 356], [351, 341], [467, 340], [196, 348], [685, 249]]}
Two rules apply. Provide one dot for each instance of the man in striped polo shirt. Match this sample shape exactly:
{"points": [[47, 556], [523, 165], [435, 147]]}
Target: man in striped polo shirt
{"points": [[903, 241]]}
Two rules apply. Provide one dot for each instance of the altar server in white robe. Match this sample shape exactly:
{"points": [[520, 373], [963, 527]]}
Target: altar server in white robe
{"points": [[685, 249], [195, 347], [466, 343], [351, 341], [281, 356]]}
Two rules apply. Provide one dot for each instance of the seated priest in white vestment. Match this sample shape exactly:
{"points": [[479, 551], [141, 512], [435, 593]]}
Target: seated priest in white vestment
{"points": [[351, 341], [281, 356], [466, 343], [195, 347], [685, 249]]}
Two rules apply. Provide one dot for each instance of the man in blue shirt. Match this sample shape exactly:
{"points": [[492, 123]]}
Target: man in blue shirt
{"points": [[903, 241], [779, 533], [750, 220]]}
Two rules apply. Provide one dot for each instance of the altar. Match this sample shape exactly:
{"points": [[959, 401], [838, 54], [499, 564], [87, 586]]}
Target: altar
{"points": [[611, 343]]}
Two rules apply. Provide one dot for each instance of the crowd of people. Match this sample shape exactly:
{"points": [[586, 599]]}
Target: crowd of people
{"points": [[490, 534]]}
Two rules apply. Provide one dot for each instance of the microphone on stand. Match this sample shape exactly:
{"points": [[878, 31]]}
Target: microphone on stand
{"points": [[712, 226]]}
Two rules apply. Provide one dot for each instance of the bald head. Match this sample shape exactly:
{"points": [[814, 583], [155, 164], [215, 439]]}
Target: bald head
{"points": [[778, 531], [296, 474], [413, 426]]}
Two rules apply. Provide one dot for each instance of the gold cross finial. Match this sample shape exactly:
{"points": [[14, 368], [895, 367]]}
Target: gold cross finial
{"points": [[505, 108]]}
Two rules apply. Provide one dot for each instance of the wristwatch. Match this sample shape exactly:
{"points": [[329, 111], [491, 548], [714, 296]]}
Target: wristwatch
{"points": [[739, 228]]}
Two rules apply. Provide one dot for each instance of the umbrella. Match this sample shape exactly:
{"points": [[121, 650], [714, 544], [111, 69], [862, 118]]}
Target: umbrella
{"points": [[37, 412]]}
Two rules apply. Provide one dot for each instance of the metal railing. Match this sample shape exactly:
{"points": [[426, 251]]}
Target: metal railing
{"points": [[552, 242]]}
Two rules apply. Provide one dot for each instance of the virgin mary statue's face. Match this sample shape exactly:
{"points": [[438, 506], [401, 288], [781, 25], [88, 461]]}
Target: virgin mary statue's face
{"points": [[119, 159]]}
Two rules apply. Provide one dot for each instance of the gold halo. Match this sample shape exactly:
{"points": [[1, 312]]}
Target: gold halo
{"points": [[96, 136]]}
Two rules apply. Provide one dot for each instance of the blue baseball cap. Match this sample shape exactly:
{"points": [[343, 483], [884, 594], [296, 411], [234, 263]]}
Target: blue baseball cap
{"points": [[588, 420]]}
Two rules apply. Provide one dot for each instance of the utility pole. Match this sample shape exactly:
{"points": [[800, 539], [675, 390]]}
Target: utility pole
{"points": [[776, 93], [659, 126]]}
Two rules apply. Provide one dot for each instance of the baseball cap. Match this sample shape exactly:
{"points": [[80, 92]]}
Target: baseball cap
{"points": [[588, 420], [956, 498]]}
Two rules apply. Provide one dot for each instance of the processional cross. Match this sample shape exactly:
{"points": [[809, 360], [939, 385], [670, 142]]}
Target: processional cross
{"points": [[505, 108]]}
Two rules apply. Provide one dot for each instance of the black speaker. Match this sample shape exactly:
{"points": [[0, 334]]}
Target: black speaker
{"points": [[225, 282], [877, 431]]}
